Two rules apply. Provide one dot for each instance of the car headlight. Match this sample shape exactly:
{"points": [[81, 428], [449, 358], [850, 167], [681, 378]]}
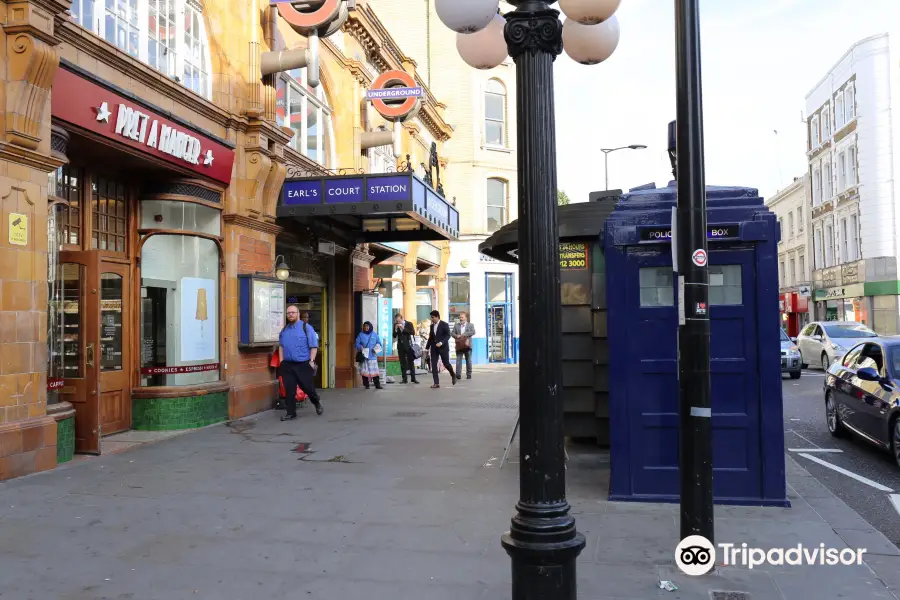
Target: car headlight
{"points": [[838, 348], [793, 351]]}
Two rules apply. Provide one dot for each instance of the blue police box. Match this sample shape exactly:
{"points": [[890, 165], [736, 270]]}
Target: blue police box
{"points": [[745, 363]]}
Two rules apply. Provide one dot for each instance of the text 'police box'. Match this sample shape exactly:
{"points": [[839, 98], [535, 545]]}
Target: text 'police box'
{"points": [[745, 365]]}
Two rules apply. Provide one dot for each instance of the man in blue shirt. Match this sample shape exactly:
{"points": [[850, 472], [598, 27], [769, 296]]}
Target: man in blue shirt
{"points": [[298, 345]]}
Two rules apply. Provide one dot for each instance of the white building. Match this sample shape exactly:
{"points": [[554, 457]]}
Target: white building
{"points": [[480, 172], [853, 129], [792, 207]]}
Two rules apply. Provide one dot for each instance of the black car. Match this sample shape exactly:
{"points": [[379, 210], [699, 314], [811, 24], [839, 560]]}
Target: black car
{"points": [[862, 394]]}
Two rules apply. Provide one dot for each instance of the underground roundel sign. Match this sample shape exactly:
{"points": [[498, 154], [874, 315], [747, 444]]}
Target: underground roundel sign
{"points": [[395, 95], [699, 257], [311, 18]]}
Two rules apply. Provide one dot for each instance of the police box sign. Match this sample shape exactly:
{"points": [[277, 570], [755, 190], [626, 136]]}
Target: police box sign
{"points": [[713, 232]]}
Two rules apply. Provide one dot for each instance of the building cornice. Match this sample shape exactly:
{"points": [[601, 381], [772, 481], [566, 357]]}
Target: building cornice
{"points": [[251, 223]]}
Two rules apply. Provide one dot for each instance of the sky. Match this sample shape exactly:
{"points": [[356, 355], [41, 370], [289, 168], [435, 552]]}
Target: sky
{"points": [[760, 58]]}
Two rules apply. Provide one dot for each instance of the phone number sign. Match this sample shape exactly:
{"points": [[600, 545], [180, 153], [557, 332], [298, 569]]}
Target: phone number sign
{"points": [[573, 257]]}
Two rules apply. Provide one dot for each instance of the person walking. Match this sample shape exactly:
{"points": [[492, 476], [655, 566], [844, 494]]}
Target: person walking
{"points": [[463, 332], [440, 352], [367, 349], [298, 345], [423, 335], [404, 332]]}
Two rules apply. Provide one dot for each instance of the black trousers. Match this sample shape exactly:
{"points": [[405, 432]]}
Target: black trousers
{"points": [[294, 375], [407, 362], [441, 354]]}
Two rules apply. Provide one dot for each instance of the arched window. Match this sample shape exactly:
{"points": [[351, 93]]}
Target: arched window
{"points": [[168, 35], [305, 110], [495, 114], [497, 212]]}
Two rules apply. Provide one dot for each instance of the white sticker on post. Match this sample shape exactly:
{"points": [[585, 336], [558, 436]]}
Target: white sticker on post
{"points": [[681, 319]]}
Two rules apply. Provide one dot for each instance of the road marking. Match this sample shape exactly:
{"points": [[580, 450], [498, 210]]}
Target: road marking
{"points": [[895, 500], [859, 478], [814, 450], [807, 440]]}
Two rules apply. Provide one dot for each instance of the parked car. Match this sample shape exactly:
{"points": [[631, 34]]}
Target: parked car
{"points": [[823, 342], [862, 395], [790, 357]]}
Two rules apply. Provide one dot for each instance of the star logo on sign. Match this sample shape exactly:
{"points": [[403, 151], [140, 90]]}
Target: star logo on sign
{"points": [[103, 113], [209, 158]]}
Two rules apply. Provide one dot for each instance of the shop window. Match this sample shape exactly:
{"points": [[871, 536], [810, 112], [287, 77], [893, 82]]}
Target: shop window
{"points": [[495, 114], [459, 296], [725, 284], [305, 110], [111, 322], [179, 310], [109, 223], [496, 204], [424, 305], [67, 183], [168, 35], [64, 333], [168, 214], [657, 286], [496, 288]]}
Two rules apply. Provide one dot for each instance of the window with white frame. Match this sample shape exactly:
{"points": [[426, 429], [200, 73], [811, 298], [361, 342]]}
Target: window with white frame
{"points": [[781, 274], [780, 230], [802, 260], [842, 171], [845, 241], [818, 248], [827, 182], [305, 110], [381, 159], [851, 166], [793, 272], [790, 224], [496, 204], [799, 218], [849, 103], [829, 246], [826, 124], [168, 35], [814, 132], [495, 114], [839, 111], [817, 187], [855, 252]]}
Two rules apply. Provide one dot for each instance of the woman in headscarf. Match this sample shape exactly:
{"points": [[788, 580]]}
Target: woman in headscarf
{"points": [[367, 349]]}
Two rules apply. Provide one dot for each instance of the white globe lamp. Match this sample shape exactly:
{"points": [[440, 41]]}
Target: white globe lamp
{"points": [[483, 49], [466, 16], [590, 44], [589, 12]]}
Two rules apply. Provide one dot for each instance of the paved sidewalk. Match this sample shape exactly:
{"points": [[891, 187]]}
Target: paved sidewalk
{"points": [[396, 496]]}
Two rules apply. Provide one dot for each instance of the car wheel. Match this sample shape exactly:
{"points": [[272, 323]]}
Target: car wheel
{"points": [[832, 418], [826, 362], [795, 374]]}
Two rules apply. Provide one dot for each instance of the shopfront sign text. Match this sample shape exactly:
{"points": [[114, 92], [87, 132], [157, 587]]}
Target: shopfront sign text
{"points": [[179, 370], [97, 108], [855, 290], [573, 257]]}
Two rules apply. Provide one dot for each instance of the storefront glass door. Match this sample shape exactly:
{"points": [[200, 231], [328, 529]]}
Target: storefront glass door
{"points": [[114, 355], [77, 354]]}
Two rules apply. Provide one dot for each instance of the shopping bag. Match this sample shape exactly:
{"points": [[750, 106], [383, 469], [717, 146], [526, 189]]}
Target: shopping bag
{"points": [[275, 362], [300, 396]]}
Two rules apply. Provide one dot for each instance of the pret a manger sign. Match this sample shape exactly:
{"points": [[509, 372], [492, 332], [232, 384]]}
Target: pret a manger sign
{"points": [[99, 111]]}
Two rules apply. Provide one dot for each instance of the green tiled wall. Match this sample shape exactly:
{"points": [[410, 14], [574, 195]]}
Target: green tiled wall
{"points": [[65, 440], [166, 414]]}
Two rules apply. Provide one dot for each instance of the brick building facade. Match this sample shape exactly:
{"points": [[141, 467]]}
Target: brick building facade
{"points": [[142, 157]]}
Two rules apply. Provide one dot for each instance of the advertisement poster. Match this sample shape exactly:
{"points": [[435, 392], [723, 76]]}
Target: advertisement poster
{"points": [[198, 319], [268, 310], [385, 324]]}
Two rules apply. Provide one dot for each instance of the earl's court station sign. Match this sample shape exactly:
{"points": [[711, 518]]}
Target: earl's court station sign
{"points": [[97, 109]]}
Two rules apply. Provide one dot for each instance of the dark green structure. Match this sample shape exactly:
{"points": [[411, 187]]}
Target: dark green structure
{"points": [[189, 412], [585, 350]]}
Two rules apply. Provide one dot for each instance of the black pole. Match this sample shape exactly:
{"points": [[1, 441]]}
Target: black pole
{"points": [[542, 541], [693, 333]]}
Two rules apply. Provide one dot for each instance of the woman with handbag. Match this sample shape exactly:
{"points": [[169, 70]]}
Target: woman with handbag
{"points": [[367, 349], [404, 333]]}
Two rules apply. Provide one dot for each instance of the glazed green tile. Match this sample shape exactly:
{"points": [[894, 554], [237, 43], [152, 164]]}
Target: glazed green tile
{"points": [[65, 440], [190, 412]]}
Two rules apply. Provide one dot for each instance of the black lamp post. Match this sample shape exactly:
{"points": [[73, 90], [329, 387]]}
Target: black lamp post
{"points": [[542, 541]]}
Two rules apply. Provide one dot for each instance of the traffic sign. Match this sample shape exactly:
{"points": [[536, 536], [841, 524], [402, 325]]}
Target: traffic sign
{"points": [[699, 257]]}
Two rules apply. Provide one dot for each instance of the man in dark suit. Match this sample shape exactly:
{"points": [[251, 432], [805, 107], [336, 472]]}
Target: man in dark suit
{"points": [[437, 344]]}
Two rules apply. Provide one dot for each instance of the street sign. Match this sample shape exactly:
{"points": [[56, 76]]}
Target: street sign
{"points": [[804, 291], [699, 257], [396, 93]]}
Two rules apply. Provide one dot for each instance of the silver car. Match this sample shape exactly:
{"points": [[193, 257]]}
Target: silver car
{"points": [[790, 357], [823, 342]]}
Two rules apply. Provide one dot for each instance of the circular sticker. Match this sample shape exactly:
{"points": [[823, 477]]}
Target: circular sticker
{"points": [[699, 257], [695, 555]]}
